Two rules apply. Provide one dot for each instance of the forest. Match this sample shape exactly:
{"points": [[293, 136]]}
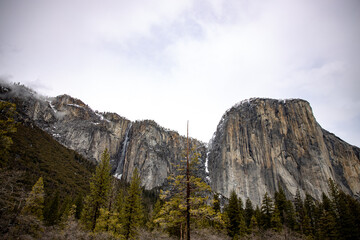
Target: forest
{"points": [[50, 192]]}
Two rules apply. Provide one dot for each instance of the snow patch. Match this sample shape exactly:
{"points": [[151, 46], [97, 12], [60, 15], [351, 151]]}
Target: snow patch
{"points": [[102, 118], [75, 105], [56, 135], [52, 106], [118, 175]]}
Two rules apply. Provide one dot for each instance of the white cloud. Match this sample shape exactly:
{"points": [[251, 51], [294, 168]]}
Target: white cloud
{"points": [[176, 60]]}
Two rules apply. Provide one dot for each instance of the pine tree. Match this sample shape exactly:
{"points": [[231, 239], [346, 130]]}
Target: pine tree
{"points": [[173, 214], [99, 192], [51, 212], [327, 221], [280, 202], [233, 215], [253, 227], [299, 211], [267, 209], [290, 215], [216, 204], [7, 126], [309, 208], [249, 211], [242, 226], [35, 201], [276, 224], [342, 212], [133, 208], [79, 206]]}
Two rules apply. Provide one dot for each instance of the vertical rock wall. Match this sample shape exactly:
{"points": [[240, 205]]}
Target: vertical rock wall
{"points": [[261, 144]]}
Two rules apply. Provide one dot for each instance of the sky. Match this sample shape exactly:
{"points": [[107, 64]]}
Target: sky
{"points": [[173, 61]]}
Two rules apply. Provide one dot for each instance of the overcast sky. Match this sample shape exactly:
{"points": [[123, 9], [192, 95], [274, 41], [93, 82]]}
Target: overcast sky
{"points": [[173, 61]]}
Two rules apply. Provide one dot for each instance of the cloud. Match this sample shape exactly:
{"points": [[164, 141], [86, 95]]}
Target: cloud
{"points": [[176, 60]]}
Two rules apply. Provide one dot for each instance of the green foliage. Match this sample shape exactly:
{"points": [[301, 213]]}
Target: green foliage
{"points": [[133, 210], [99, 192], [276, 224], [172, 216], [267, 209], [51, 211], [35, 201], [233, 215], [249, 212], [216, 203], [7, 127], [79, 206], [36, 153], [109, 222]]}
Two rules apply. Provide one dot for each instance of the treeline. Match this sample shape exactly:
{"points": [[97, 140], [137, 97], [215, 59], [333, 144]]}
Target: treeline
{"points": [[336, 216], [106, 208], [112, 210]]}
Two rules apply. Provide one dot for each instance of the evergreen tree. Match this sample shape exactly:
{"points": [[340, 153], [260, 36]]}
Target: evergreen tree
{"points": [[276, 224], [306, 224], [242, 226], [290, 215], [133, 208], [7, 126], [281, 204], [249, 211], [258, 215], [51, 212], [99, 192], [267, 209], [79, 206], [233, 215], [309, 208], [342, 212], [327, 222], [173, 214], [216, 203], [299, 212], [354, 205], [253, 227], [34, 204]]}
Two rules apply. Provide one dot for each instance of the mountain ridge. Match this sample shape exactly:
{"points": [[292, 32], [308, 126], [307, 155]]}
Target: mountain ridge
{"points": [[285, 127]]}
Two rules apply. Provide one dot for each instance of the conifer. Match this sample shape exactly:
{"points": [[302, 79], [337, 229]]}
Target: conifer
{"points": [[280, 202], [133, 210], [35, 201], [276, 224], [7, 126], [249, 211], [99, 192], [173, 214], [233, 214], [51, 212], [216, 203], [253, 227], [267, 209]]}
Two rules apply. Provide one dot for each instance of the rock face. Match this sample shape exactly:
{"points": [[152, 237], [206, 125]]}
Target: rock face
{"points": [[261, 144], [142, 144]]}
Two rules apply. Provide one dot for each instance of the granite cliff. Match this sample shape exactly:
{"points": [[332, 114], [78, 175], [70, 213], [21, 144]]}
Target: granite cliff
{"points": [[261, 144], [143, 144]]}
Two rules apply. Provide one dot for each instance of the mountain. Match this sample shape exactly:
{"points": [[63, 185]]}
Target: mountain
{"points": [[154, 150], [261, 144]]}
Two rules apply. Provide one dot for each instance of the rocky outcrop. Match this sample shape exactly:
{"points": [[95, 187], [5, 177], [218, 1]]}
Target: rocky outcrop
{"points": [[142, 144], [156, 151], [261, 144]]}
